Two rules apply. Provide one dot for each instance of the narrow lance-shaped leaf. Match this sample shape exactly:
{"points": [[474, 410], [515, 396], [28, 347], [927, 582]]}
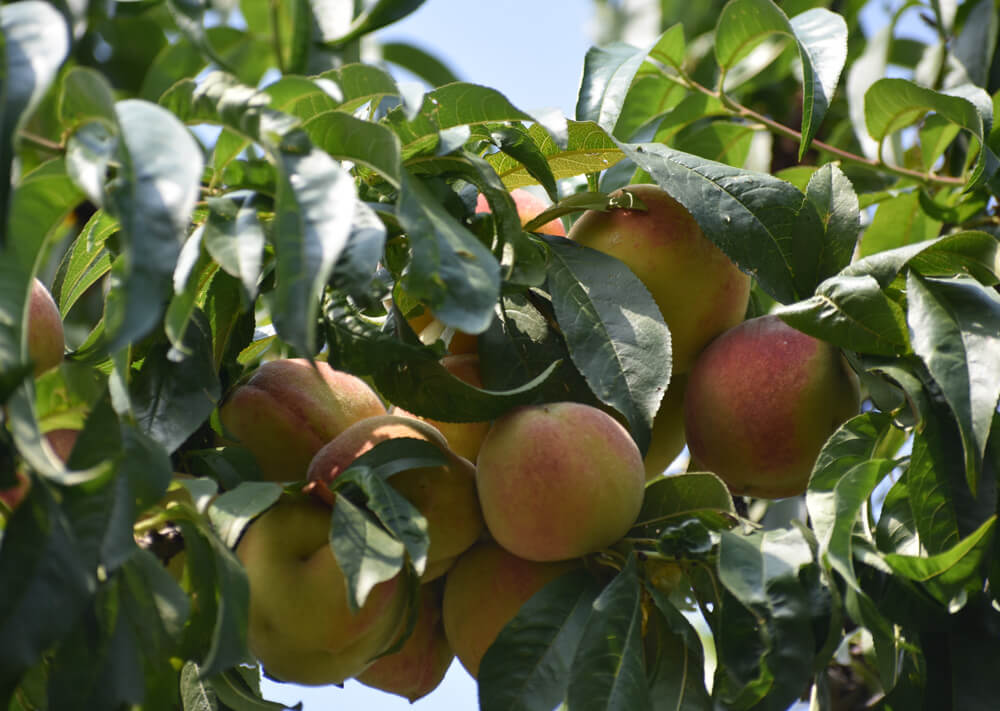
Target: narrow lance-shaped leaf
{"points": [[153, 198], [821, 37], [527, 668], [619, 343], [607, 76], [955, 329], [608, 671], [35, 44]]}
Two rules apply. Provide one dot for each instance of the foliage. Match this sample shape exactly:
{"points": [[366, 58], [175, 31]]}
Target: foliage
{"points": [[324, 208]]}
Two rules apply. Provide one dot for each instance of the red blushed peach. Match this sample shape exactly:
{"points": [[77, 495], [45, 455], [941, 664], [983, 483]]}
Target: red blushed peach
{"points": [[301, 627], [288, 409], [420, 664], [484, 591], [559, 480], [528, 207], [761, 401], [464, 438], [445, 495], [699, 291], [46, 339]]}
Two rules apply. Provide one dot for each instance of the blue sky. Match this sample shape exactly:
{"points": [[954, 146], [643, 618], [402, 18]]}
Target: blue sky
{"points": [[532, 51]]}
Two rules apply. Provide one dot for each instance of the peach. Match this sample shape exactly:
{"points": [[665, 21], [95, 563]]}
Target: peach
{"points": [[699, 291], [288, 409], [667, 439], [301, 627], [484, 591], [559, 480], [528, 207], [464, 438], [445, 495], [420, 664], [761, 401], [46, 338]]}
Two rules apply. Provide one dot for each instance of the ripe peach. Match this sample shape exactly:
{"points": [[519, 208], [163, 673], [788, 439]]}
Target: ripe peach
{"points": [[528, 207], [46, 339], [446, 496], [287, 410], [559, 480], [464, 438], [301, 627], [484, 591], [700, 292], [420, 664], [761, 401]]}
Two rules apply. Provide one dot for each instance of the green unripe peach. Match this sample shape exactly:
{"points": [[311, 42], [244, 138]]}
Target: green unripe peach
{"points": [[288, 409], [559, 480], [699, 290], [46, 338], [301, 627], [761, 401], [667, 438], [464, 438], [445, 495], [421, 663], [484, 591]]}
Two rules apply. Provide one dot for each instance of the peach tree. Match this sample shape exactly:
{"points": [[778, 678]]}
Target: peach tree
{"points": [[206, 185]]}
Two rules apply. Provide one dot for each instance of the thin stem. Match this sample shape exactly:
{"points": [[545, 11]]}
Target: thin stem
{"points": [[42, 142], [276, 34], [775, 127]]}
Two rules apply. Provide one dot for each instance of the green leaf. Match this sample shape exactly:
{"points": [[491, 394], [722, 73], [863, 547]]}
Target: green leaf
{"points": [[675, 658], [527, 667], [972, 252], [314, 210], [892, 104], [172, 397], [674, 498], [589, 149], [232, 511], [418, 61], [235, 238], [378, 15], [851, 312], [608, 670], [35, 43], [347, 138], [361, 83], [949, 571], [451, 271], [722, 141], [153, 198], [762, 223], [622, 346], [833, 196], [821, 37], [607, 76], [955, 329], [365, 552], [85, 262]]}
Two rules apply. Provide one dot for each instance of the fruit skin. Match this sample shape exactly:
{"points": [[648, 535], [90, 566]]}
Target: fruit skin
{"points": [[287, 410], [46, 338], [464, 438], [421, 663], [446, 496], [301, 627], [61, 441], [559, 480], [667, 438], [761, 401], [528, 207], [699, 290], [484, 591]]}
